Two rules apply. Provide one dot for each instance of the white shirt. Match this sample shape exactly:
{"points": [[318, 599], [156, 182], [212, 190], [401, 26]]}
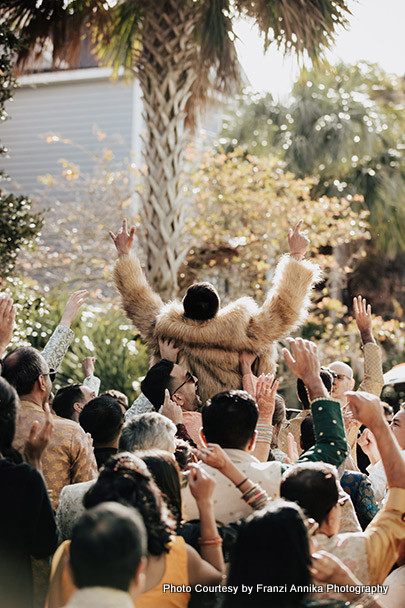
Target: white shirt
{"points": [[378, 479], [229, 505]]}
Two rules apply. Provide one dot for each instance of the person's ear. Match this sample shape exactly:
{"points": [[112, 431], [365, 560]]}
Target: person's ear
{"points": [[137, 584], [352, 383], [203, 439], [252, 442], [42, 383], [178, 399], [77, 407]]}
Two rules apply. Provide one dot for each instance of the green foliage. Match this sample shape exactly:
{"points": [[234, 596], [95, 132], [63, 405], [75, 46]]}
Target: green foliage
{"points": [[344, 124], [100, 331], [244, 206], [18, 227]]}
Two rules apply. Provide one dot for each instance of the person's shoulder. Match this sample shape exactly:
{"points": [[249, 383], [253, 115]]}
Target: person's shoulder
{"points": [[244, 305], [75, 490]]}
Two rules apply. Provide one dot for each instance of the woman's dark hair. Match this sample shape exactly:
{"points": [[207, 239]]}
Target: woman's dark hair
{"points": [[126, 479], [166, 474], [9, 405], [271, 549], [201, 302]]}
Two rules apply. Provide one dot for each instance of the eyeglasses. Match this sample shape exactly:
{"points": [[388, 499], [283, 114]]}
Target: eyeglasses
{"points": [[51, 374], [339, 377], [189, 378]]}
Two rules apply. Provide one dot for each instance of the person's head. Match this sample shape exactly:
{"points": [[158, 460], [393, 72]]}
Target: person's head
{"points": [[166, 475], [342, 380], [148, 432], [125, 479], [302, 393], [26, 370], [272, 549], [307, 438], [201, 302], [108, 547], [8, 413], [102, 417], [181, 384], [388, 411], [230, 419], [119, 397], [313, 486], [70, 400], [398, 427]]}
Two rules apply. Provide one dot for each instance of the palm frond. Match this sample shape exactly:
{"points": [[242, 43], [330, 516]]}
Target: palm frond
{"points": [[297, 25], [56, 21]]}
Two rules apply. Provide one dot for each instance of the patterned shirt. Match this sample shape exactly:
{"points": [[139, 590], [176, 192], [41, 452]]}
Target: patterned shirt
{"points": [[68, 458]]}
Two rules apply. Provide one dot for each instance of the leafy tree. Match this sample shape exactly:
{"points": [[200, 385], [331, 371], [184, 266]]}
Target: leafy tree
{"points": [[244, 206], [18, 227], [346, 125], [177, 50]]}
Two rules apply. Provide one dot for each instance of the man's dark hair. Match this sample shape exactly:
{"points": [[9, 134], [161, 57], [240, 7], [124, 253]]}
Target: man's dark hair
{"points": [[313, 486], [21, 368], [65, 399], [156, 381], [201, 302], [8, 415], [103, 418], [327, 379], [307, 433], [107, 545], [230, 419]]}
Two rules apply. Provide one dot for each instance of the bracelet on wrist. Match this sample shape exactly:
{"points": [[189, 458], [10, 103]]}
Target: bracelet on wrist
{"points": [[238, 485], [215, 541]]}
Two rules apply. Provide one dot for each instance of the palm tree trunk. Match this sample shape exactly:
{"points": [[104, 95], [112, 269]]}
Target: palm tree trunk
{"points": [[166, 73]]}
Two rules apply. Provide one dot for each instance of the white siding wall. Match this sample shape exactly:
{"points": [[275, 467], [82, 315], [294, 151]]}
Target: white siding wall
{"points": [[72, 110]]}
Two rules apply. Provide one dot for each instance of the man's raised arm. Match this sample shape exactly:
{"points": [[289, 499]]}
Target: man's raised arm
{"points": [[140, 302], [330, 438], [286, 305]]}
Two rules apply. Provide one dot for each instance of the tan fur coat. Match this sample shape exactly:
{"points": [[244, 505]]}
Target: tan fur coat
{"points": [[210, 349]]}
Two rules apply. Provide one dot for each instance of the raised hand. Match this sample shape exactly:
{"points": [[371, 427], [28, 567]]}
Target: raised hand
{"points": [[266, 397], [7, 317], [362, 314], [214, 456], [171, 410], [38, 440], [88, 366], [72, 306], [368, 444], [297, 242], [168, 350], [366, 409], [304, 363], [246, 360], [200, 483], [123, 240], [292, 448]]}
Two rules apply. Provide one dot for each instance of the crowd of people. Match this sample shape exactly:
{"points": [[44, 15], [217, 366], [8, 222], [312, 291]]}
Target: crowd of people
{"points": [[201, 492]]}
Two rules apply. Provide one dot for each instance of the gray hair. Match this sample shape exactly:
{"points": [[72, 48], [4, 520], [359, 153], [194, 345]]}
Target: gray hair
{"points": [[147, 432]]}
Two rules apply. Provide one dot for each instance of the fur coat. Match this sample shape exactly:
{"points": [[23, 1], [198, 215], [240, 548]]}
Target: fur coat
{"points": [[210, 349]]}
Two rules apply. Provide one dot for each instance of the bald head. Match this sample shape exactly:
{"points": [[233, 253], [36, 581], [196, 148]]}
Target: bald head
{"points": [[343, 380]]}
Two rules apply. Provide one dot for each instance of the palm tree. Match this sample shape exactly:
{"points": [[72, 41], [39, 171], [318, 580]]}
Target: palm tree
{"points": [[180, 50]]}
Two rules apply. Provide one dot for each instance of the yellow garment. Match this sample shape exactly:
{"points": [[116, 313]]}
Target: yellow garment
{"points": [[384, 535], [176, 573], [68, 458], [61, 587]]}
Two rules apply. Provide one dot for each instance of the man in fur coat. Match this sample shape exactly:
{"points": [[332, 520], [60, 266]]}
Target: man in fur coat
{"points": [[211, 338]]}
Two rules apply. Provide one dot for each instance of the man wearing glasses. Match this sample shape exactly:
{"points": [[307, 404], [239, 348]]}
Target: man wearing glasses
{"points": [[69, 456]]}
